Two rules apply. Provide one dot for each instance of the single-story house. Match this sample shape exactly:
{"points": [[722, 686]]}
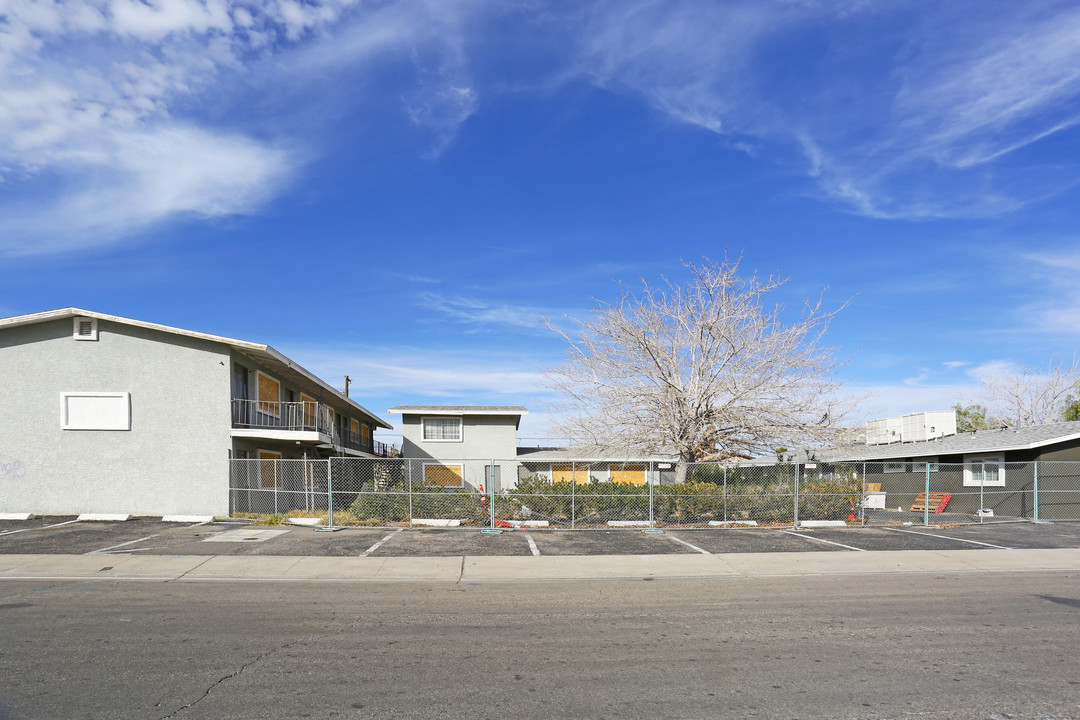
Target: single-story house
{"points": [[997, 468], [112, 415]]}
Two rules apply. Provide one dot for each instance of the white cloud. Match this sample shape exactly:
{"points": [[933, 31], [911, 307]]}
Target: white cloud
{"points": [[410, 372], [139, 178], [483, 313], [103, 128], [912, 135]]}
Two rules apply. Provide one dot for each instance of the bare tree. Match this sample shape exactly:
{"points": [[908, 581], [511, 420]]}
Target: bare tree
{"points": [[1030, 396], [705, 370]]}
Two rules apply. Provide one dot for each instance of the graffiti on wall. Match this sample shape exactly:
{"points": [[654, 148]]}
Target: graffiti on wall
{"points": [[11, 467]]}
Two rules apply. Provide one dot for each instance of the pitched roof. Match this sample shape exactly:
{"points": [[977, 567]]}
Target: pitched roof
{"points": [[255, 350], [1025, 438]]}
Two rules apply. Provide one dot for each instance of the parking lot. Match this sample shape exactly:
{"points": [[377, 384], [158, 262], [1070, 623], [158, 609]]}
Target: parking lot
{"points": [[66, 535]]}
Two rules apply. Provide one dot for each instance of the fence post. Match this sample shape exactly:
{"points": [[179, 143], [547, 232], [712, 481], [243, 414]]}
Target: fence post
{"points": [[926, 504], [795, 519], [1036, 503], [573, 490], [329, 498], [491, 489], [652, 517], [277, 481], [725, 495], [408, 491], [862, 513]]}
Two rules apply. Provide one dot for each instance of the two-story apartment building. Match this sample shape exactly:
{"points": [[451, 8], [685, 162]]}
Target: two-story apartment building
{"points": [[456, 445], [109, 414]]}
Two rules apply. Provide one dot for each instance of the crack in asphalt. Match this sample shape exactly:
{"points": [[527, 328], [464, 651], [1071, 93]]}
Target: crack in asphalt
{"points": [[260, 658]]}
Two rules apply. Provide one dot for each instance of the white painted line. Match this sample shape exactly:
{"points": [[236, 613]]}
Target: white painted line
{"points": [[16, 516], [377, 545], [830, 542], [436, 522], [123, 544], [43, 527], [103, 517], [532, 545], [689, 545], [822, 523], [199, 519], [946, 537]]}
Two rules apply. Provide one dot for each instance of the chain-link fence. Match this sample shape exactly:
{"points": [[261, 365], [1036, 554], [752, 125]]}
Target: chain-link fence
{"points": [[590, 494]]}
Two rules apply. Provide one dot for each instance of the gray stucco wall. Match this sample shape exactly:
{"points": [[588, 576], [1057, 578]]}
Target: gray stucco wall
{"points": [[483, 438], [173, 460]]}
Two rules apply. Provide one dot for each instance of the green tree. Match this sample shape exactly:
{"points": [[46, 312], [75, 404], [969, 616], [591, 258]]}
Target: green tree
{"points": [[1072, 408], [972, 418]]}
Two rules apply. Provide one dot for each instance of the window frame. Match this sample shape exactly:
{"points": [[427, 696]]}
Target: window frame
{"points": [[123, 425], [460, 426], [890, 466], [981, 458], [259, 400]]}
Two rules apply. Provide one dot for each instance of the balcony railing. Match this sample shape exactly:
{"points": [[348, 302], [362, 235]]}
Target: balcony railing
{"points": [[301, 416]]}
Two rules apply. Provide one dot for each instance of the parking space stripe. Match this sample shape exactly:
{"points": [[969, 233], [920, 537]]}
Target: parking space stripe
{"points": [[532, 545], [43, 527], [377, 545], [946, 537], [689, 545], [123, 544], [821, 540]]}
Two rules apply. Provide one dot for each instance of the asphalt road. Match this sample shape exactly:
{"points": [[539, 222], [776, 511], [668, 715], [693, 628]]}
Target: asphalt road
{"points": [[991, 646]]}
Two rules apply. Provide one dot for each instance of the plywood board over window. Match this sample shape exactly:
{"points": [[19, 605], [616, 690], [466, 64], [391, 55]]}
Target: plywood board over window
{"points": [[567, 472], [354, 429], [309, 410], [269, 469], [269, 395], [633, 473], [444, 475]]}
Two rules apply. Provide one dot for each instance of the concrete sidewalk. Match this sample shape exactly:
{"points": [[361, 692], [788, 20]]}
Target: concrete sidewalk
{"points": [[503, 568]]}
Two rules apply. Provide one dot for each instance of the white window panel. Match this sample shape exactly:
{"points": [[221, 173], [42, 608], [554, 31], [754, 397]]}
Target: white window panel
{"points": [[984, 470], [95, 411], [437, 429]]}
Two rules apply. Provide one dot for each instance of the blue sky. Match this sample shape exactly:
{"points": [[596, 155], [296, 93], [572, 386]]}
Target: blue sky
{"points": [[400, 190]]}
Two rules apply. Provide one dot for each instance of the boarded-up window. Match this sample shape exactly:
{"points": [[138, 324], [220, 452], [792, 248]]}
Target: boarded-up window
{"points": [[633, 473], [354, 428], [444, 475], [579, 473], [269, 468], [269, 395], [309, 410], [367, 434]]}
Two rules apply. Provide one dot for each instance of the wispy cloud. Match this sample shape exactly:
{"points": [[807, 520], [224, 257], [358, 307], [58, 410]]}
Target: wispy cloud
{"points": [[486, 314], [410, 372], [110, 112], [912, 129]]}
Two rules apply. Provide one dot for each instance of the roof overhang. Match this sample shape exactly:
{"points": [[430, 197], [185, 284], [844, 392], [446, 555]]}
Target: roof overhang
{"points": [[255, 350]]}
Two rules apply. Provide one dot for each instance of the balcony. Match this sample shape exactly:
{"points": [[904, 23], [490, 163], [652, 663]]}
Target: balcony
{"points": [[298, 421]]}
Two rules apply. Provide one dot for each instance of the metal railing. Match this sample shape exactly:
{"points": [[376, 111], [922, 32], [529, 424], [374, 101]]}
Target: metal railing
{"points": [[576, 495], [302, 416]]}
